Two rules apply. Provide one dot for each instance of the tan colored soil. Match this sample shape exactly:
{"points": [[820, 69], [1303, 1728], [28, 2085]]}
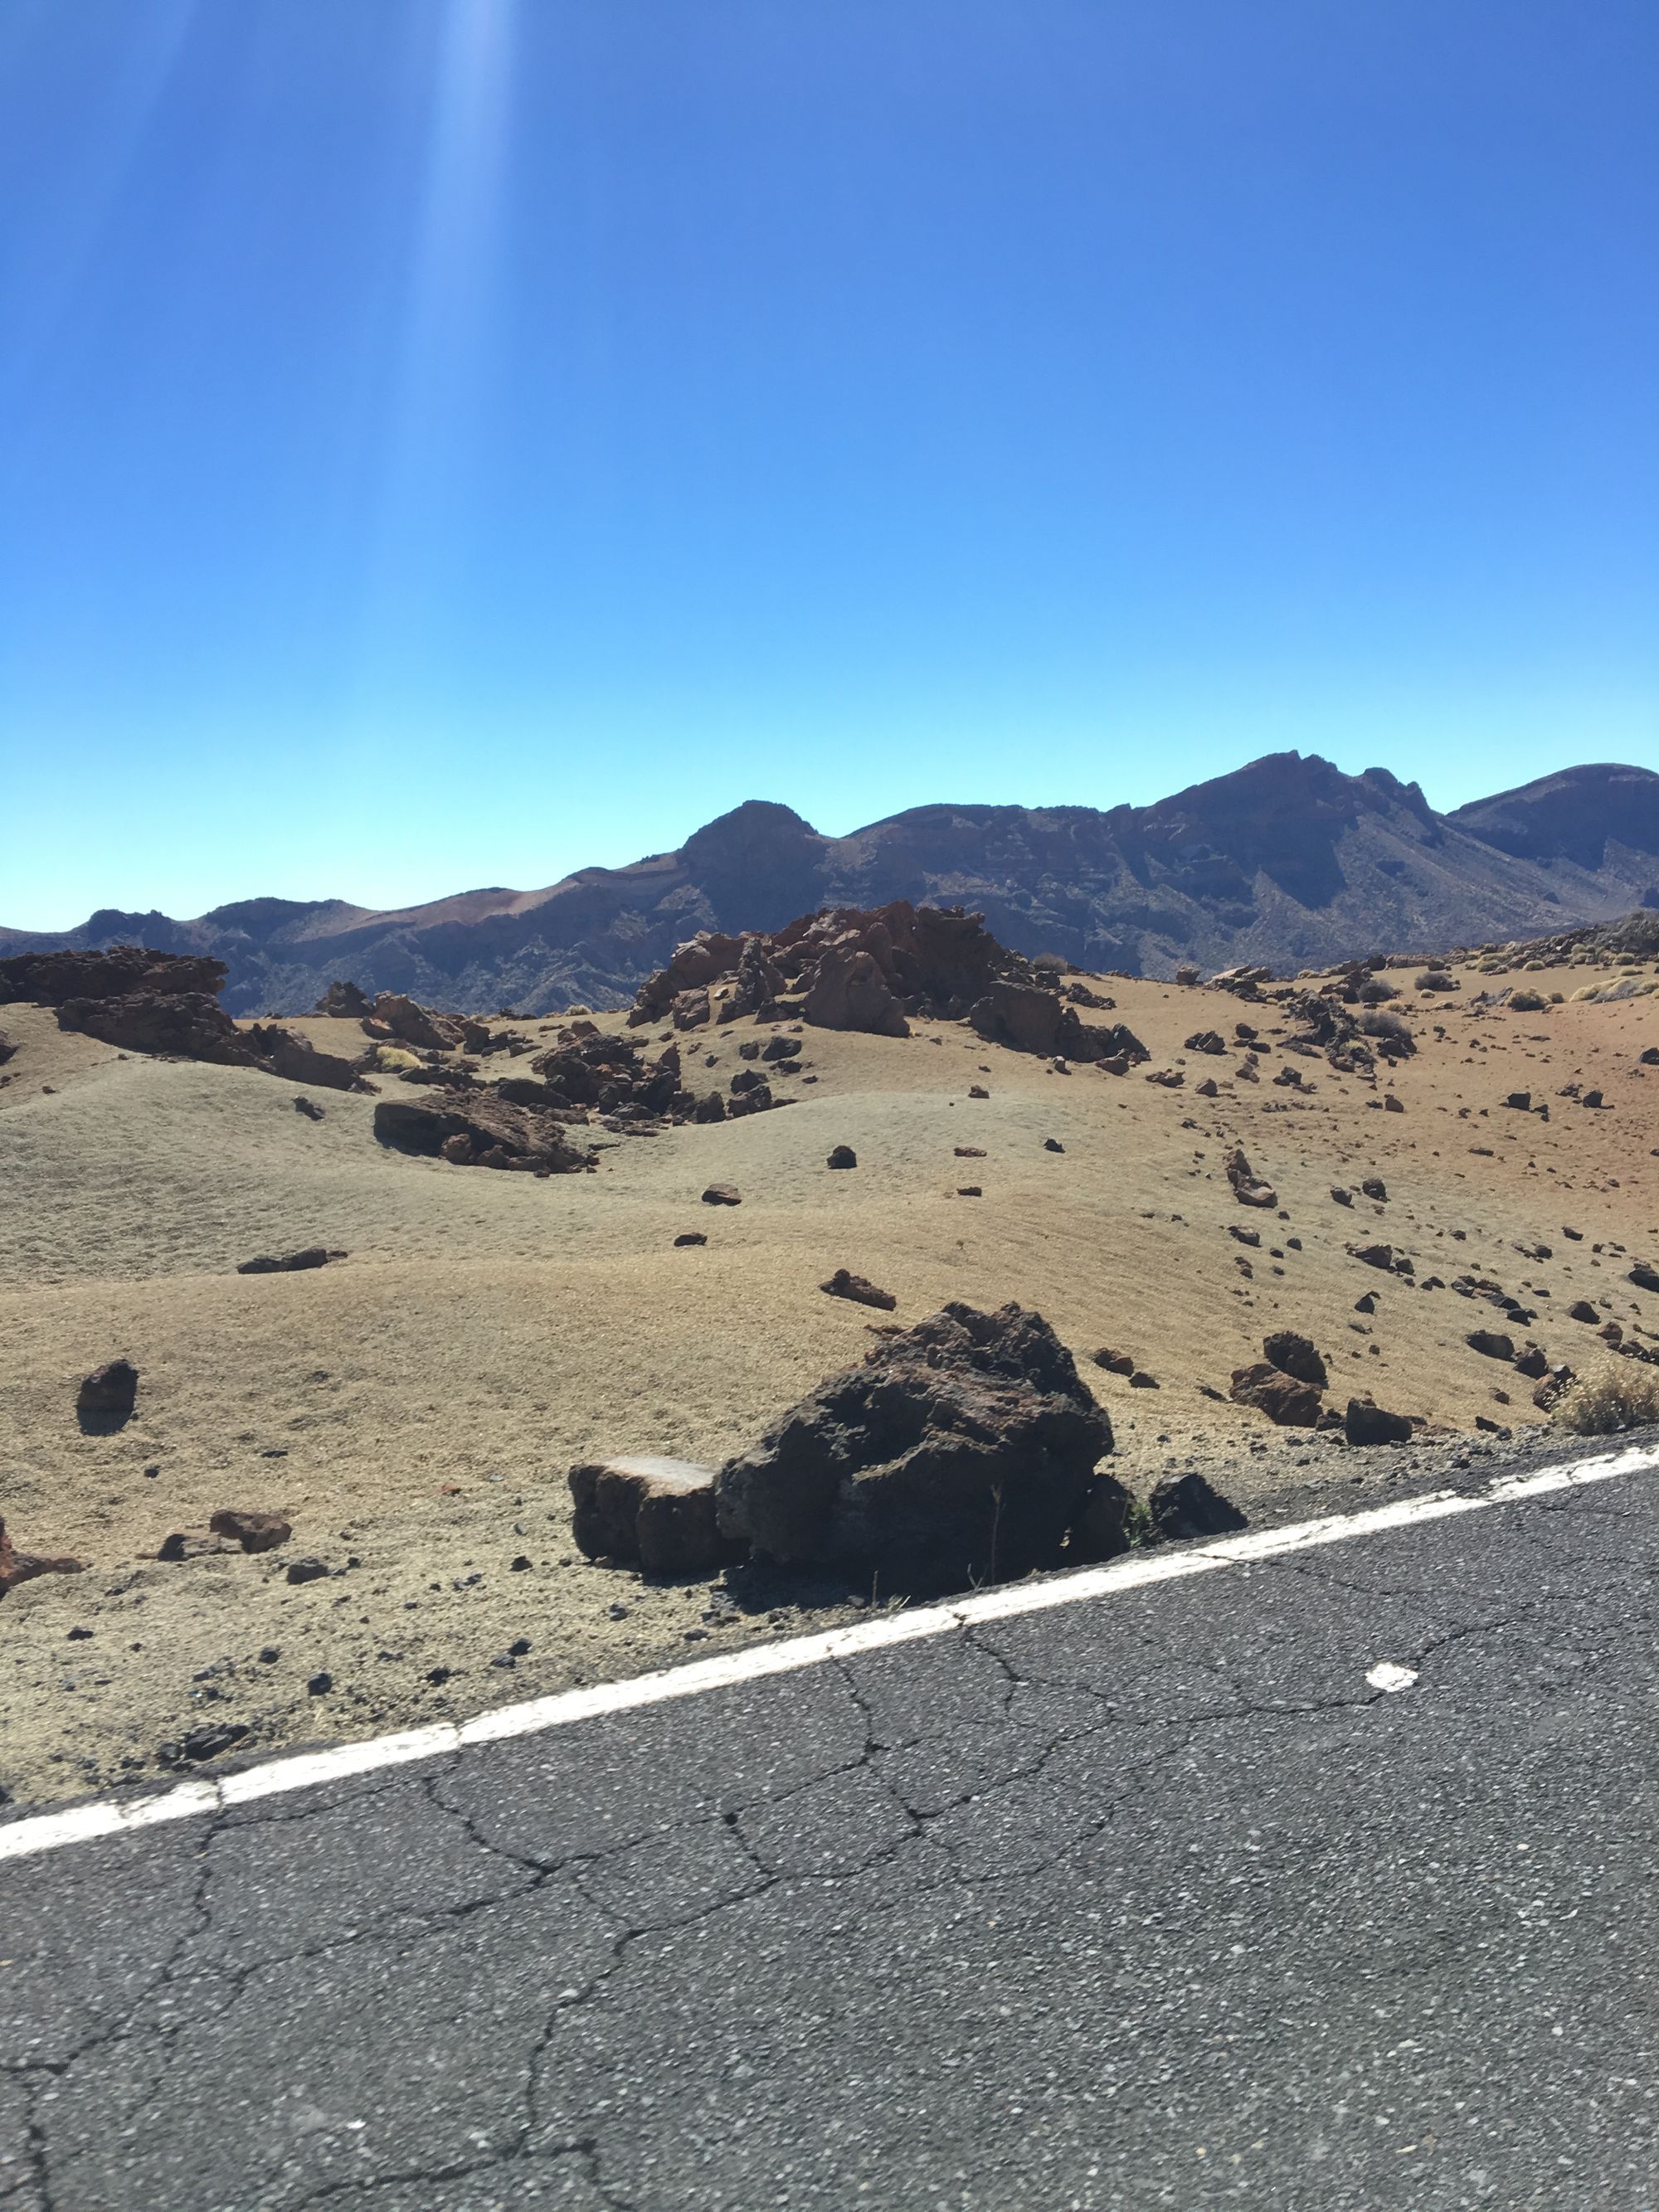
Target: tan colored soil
{"points": [[414, 1408]]}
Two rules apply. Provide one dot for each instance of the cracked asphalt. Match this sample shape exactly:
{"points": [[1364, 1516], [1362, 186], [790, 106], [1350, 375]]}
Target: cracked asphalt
{"points": [[1150, 1902]]}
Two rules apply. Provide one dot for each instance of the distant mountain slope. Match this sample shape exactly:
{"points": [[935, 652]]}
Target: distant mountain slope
{"points": [[1286, 861]]}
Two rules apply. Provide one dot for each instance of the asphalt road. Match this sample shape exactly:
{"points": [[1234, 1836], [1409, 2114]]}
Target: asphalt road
{"points": [[1152, 1901]]}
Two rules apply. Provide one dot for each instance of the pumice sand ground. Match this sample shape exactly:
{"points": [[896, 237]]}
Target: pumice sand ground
{"points": [[413, 1409]]}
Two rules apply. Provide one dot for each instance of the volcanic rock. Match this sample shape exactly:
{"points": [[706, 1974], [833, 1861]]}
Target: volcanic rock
{"points": [[655, 1513], [1491, 1342], [343, 1001], [1187, 1505], [1246, 1187], [964, 1446], [844, 1285], [108, 1396], [314, 1256], [1296, 1355], [1102, 1530], [1367, 1424], [49, 979], [296, 1060], [1288, 1402], [842, 1157], [23, 1566], [253, 1528], [481, 1132], [722, 1194], [186, 1024]]}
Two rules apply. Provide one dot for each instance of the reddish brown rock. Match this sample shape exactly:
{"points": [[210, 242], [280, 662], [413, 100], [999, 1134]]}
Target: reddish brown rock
{"points": [[1288, 1350], [1288, 1403], [845, 1284], [961, 1449], [497, 1135], [649, 1511], [1246, 1187], [253, 1528], [48, 979], [23, 1566], [182, 1024]]}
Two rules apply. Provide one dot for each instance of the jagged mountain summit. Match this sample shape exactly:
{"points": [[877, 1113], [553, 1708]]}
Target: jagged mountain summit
{"points": [[1288, 862]]}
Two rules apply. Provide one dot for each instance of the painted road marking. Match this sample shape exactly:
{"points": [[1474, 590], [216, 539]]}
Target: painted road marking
{"points": [[80, 1823]]}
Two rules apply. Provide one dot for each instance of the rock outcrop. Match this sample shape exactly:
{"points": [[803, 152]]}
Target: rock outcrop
{"points": [[963, 1448], [48, 979], [843, 969], [479, 1129]]}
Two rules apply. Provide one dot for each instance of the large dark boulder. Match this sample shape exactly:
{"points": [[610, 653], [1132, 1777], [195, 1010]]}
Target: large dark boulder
{"points": [[107, 1397], [1288, 1402], [479, 1130], [1187, 1505], [963, 1448], [185, 1025], [49, 978], [296, 1060], [1293, 1353]]}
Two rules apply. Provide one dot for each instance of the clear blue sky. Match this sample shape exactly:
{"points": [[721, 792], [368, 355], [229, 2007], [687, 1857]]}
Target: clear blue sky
{"points": [[448, 441]]}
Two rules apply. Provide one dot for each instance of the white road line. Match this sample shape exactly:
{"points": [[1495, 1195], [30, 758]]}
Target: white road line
{"points": [[81, 1824]]}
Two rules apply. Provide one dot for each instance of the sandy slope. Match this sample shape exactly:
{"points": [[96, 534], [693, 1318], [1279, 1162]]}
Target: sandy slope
{"points": [[413, 1409]]}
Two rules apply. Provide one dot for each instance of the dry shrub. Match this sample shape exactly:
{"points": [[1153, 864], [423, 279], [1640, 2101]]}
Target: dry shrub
{"points": [[1622, 1397], [1526, 1002]]}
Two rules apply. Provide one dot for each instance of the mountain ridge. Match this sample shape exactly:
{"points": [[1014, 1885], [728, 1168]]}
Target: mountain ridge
{"points": [[1287, 861]]}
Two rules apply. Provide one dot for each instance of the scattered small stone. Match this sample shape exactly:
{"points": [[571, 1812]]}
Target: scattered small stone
{"points": [[970, 1152], [320, 1684], [211, 1740], [309, 1108], [1053, 1144], [690, 1237], [969, 1190], [307, 1571], [722, 1194], [520, 1564], [842, 1157], [1115, 1363], [977, 1091]]}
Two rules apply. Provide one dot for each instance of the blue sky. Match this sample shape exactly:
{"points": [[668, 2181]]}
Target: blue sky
{"points": [[450, 441]]}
